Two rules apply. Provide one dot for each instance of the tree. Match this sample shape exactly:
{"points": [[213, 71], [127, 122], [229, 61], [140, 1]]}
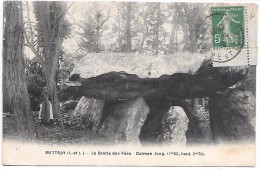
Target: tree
{"points": [[157, 29], [172, 46], [191, 21], [92, 31], [14, 70], [123, 26], [128, 26], [119, 39], [51, 30], [155, 34], [126, 22], [144, 29]]}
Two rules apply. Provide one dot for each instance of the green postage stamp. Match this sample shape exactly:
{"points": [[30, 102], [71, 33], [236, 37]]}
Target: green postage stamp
{"points": [[228, 26], [233, 35]]}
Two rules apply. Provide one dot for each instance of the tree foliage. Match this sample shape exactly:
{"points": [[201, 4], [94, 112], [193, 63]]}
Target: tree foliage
{"points": [[92, 29], [151, 28]]}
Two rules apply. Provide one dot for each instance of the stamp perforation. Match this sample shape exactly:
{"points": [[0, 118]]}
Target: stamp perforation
{"points": [[247, 39]]}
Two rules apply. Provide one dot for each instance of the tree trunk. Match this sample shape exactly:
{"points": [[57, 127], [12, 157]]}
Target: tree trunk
{"points": [[173, 32], [119, 30], [128, 27], [193, 47], [14, 73], [53, 92], [50, 24], [157, 30], [144, 30], [188, 23]]}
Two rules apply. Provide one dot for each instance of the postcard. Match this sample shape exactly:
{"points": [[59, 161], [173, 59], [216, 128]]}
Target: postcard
{"points": [[118, 83]]}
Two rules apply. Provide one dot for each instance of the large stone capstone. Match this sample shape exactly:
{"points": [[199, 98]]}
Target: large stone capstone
{"points": [[174, 127], [113, 86], [144, 66], [90, 111], [123, 125]]}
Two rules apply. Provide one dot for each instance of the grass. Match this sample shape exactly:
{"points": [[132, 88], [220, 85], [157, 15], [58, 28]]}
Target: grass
{"points": [[57, 133]]}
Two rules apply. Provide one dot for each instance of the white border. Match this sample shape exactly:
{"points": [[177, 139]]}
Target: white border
{"points": [[204, 1]]}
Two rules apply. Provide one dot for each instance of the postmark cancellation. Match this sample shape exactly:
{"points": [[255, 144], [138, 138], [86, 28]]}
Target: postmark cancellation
{"points": [[234, 35]]}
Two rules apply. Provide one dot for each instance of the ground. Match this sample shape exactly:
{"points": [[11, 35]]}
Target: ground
{"points": [[56, 133], [69, 131]]}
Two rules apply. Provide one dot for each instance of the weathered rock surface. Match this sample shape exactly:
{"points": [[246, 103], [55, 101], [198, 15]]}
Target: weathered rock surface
{"points": [[144, 66], [123, 125], [153, 124], [90, 111], [232, 116], [120, 85], [152, 127], [69, 105], [174, 127]]}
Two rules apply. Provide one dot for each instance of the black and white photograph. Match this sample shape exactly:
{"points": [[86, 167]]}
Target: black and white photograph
{"points": [[141, 83]]}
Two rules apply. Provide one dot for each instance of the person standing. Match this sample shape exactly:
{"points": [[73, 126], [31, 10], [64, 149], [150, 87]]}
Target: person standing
{"points": [[46, 113]]}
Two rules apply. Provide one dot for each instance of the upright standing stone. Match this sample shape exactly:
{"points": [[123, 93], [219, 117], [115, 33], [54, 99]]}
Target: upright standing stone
{"points": [[232, 116], [125, 122], [90, 111], [174, 126], [69, 105]]}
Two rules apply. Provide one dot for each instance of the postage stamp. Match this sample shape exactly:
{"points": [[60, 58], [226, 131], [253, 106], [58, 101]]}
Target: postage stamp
{"points": [[228, 26], [233, 35]]}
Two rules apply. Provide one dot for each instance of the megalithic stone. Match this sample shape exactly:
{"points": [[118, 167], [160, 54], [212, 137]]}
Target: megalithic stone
{"points": [[68, 105], [123, 125], [90, 110], [232, 116], [174, 127]]}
